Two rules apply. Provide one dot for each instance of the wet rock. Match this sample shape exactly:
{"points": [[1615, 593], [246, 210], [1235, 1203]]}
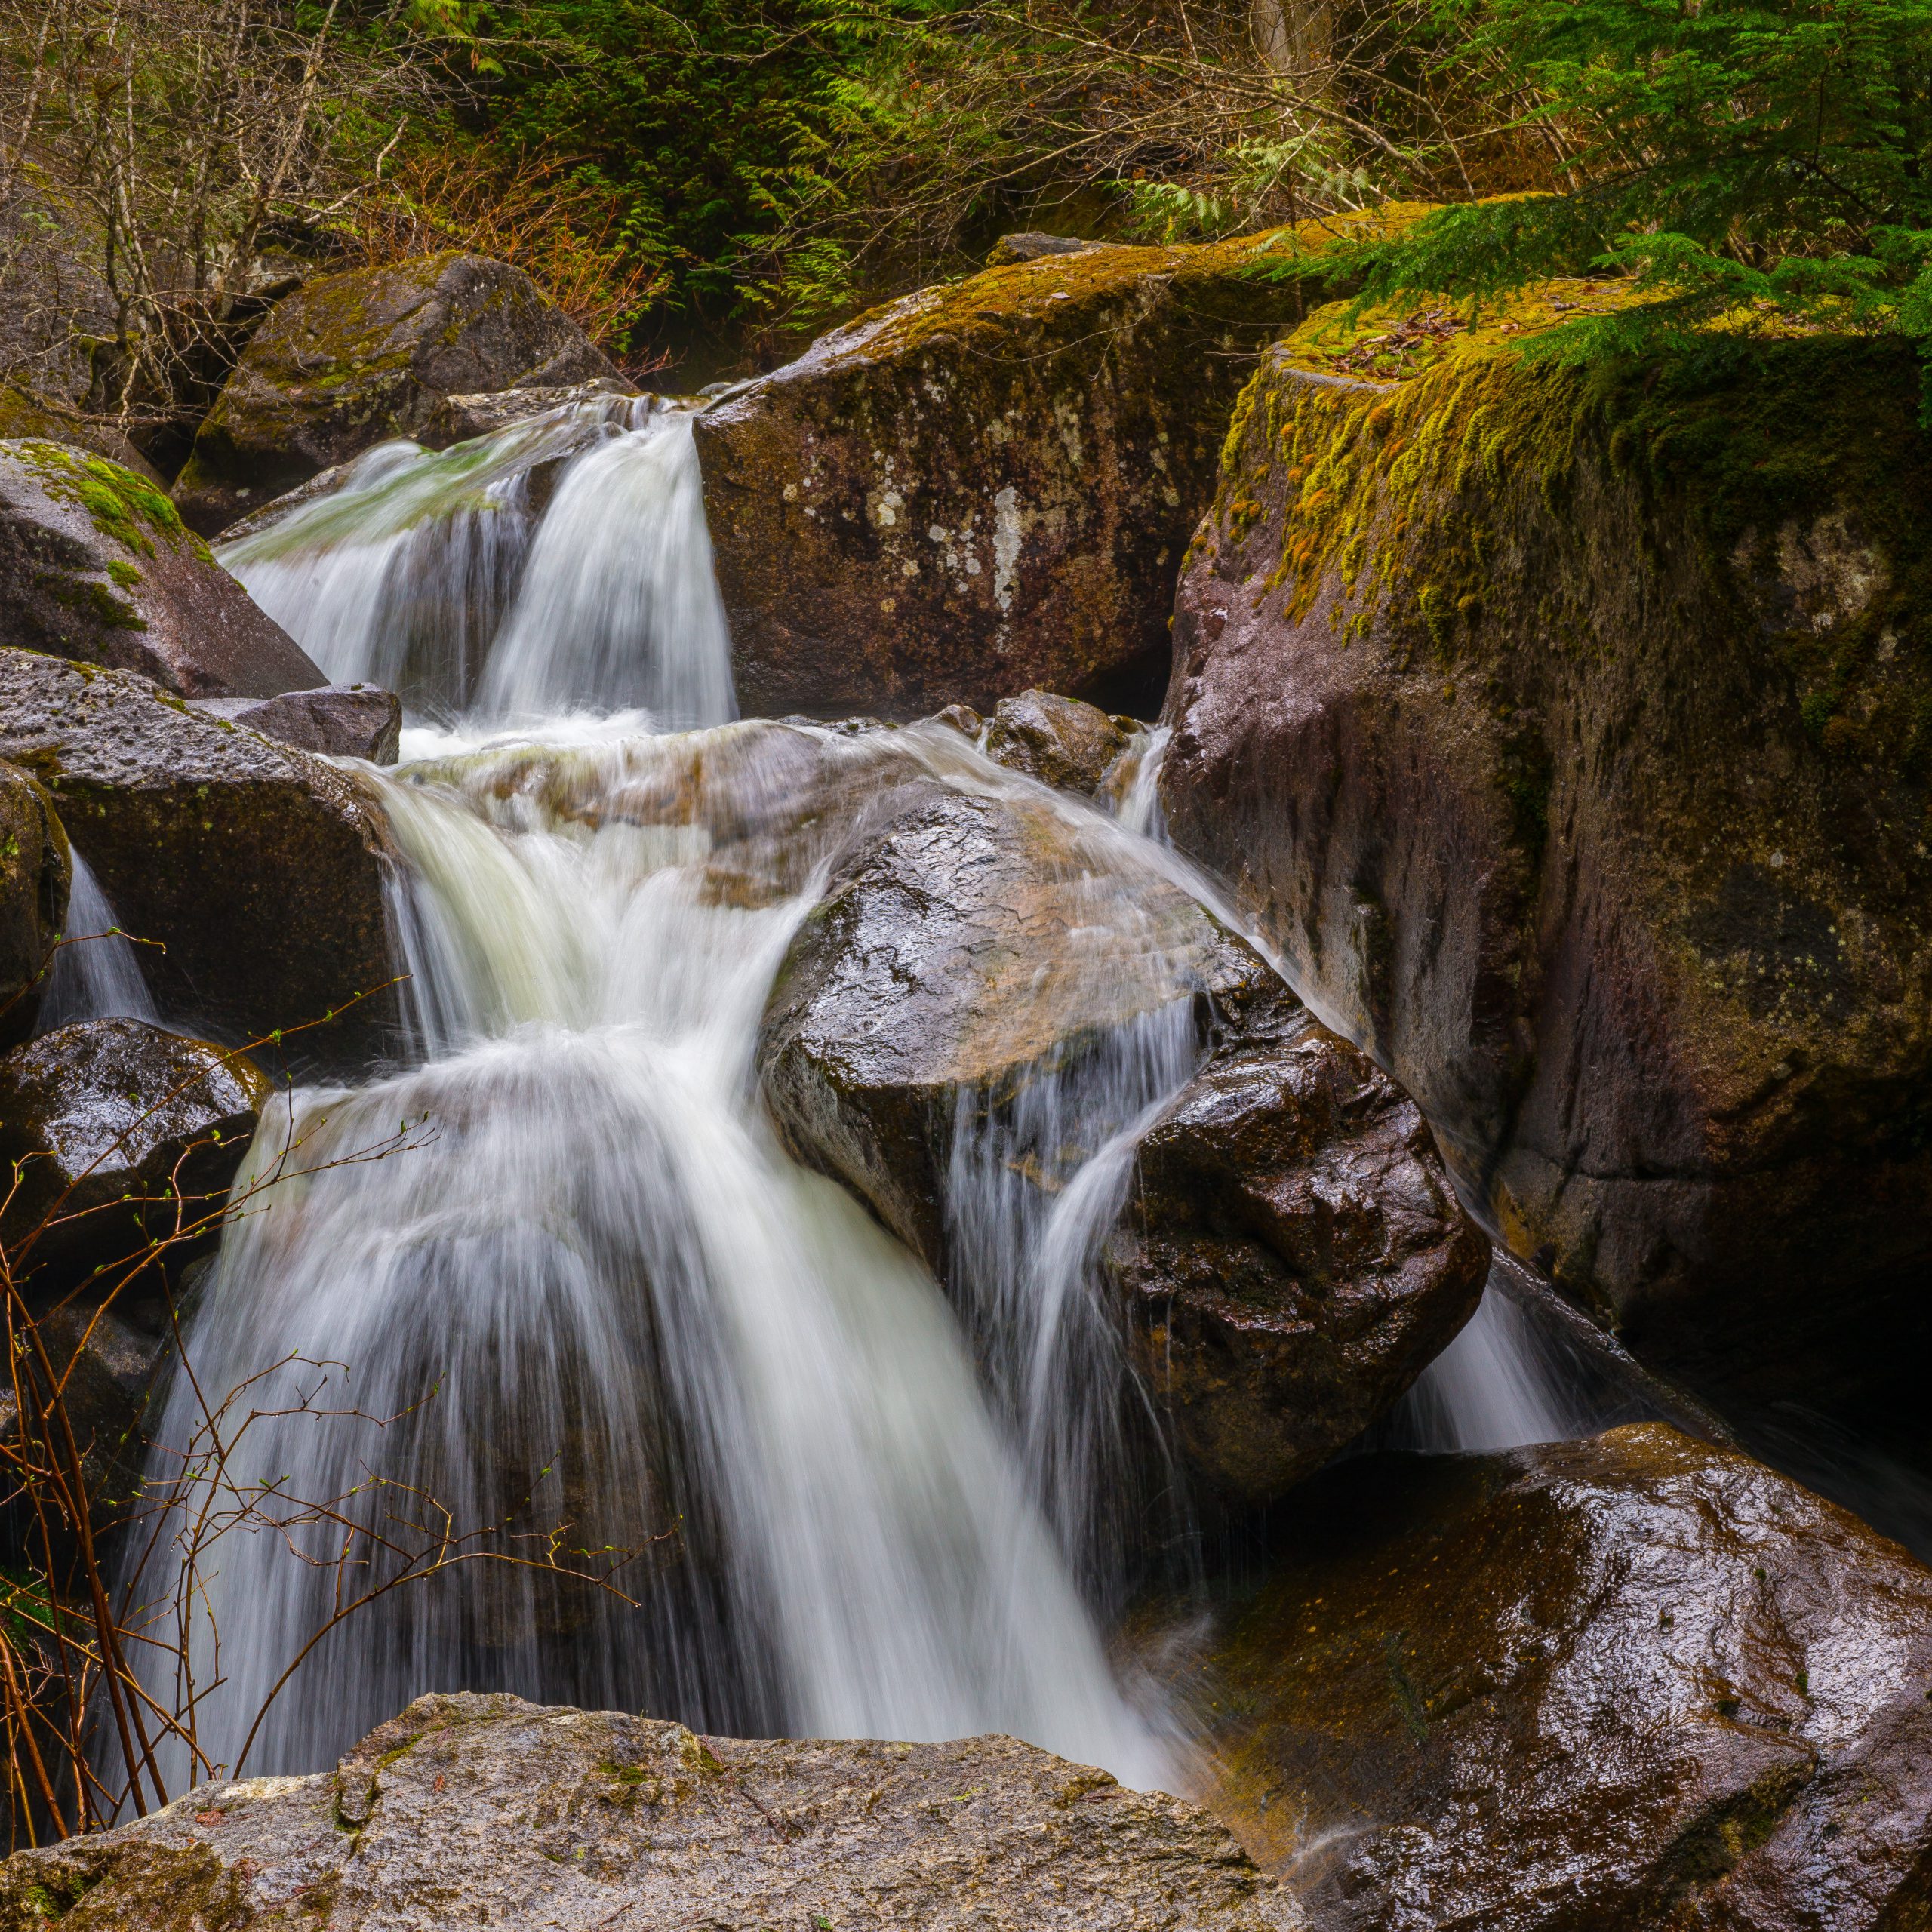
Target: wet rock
{"points": [[1294, 1257], [95, 565], [1563, 732], [352, 360], [469, 1811], [1635, 1681], [120, 1134], [34, 875], [259, 868], [339, 720], [987, 487], [1057, 741], [457, 419]]}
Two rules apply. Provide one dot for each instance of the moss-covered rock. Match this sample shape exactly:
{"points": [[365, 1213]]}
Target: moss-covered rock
{"points": [[473, 1811], [352, 360], [95, 565], [114, 1132], [989, 485], [258, 869], [26, 415], [34, 875], [1569, 730], [1633, 1682]]}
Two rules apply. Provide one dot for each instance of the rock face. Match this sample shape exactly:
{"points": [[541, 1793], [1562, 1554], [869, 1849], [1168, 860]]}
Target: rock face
{"points": [[352, 360], [989, 486], [339, 720], [260, 869], [117, 1128], [95, 565], [1632, 1681], [472, 1811], [34, 875], [1570, 736], [1296, 1257]]}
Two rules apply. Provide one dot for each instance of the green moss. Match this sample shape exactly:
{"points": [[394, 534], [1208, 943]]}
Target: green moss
{"points": [[122, 504], [123, 573]]}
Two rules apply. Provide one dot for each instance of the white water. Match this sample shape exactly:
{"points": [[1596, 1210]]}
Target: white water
{"points": [[96, 974], [592, 1289], [1496, 1387]]}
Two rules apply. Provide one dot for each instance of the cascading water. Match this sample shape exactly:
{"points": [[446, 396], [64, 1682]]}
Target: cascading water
{"points": [[584, 1292], [95, 975]]}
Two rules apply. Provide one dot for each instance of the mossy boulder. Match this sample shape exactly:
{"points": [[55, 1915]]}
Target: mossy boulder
{"points": [[26, 415], [352, 360], [989, 485], [473, 1811], [1634, 1681], [1293, 1256], [1569, 730], [35, 873], [259, 869], [113, 1133], [95, 565]]}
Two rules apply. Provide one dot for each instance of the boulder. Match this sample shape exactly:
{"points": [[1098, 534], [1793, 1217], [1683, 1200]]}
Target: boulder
{"points": [[339, 720], [1058, 740], [352, 360], [26, 415], [1294, 1256], [95, 565], [1569, 732], [120, 1133], [260, 869], [988, 486], [1633, 1681], [461, 419], [34, 874], [471, 1810], [1032, 244]]}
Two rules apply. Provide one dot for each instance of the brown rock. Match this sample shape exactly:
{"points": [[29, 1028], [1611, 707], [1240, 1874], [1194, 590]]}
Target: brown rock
{"points": [[1567, 734], [260, 869], [1057, 741], [352, 360], [95, 565], [988, 486], [469, 1811], [1635, 1682], [34, 875], [339, 720]]}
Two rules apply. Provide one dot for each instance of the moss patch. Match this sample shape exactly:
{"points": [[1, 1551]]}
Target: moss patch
{"points": [[121, 505]]}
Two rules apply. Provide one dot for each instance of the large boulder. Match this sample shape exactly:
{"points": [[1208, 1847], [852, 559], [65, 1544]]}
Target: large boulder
{"points": [[469, 1811], [1293, 1256], [1569, 731], [1633, 1681], [95, 565], [114, 1133], [35, 873], [989, 485], [260, 869], [352, 360]]}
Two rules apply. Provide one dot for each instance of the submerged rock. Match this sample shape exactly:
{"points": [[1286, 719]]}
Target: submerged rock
{"points": [[120, 1133], [1570, 735], [1635, 1681], [95, 565], [1294, 1257], [339, 720], [989, 486], [260, 869], [471, 1810], [35, 873], [1058, 740], [352, 360]]}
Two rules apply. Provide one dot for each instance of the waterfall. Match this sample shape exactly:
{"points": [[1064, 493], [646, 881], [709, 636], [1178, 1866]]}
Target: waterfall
{"points": [[95, 975]]}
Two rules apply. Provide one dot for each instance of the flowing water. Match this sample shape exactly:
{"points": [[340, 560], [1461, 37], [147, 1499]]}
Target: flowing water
{"points": [[553, 1290], [96, 974]]}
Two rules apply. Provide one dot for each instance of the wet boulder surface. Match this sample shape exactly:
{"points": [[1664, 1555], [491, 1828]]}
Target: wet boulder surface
{"points": [[1061, 742], [1291, 1256], [989, 486], [120, 1133], [339, 720], [471, 1810], [1633, 1681], [350, 360], [95, 565], [258, 869], [1565, 730], [35, 873]]}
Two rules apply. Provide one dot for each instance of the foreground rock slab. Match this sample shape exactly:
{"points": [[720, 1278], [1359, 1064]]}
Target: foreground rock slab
{"points": [[352, 360], [260, 869], [470, 1811], [1566, 734], [1635, 1682], [95, 565]]}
